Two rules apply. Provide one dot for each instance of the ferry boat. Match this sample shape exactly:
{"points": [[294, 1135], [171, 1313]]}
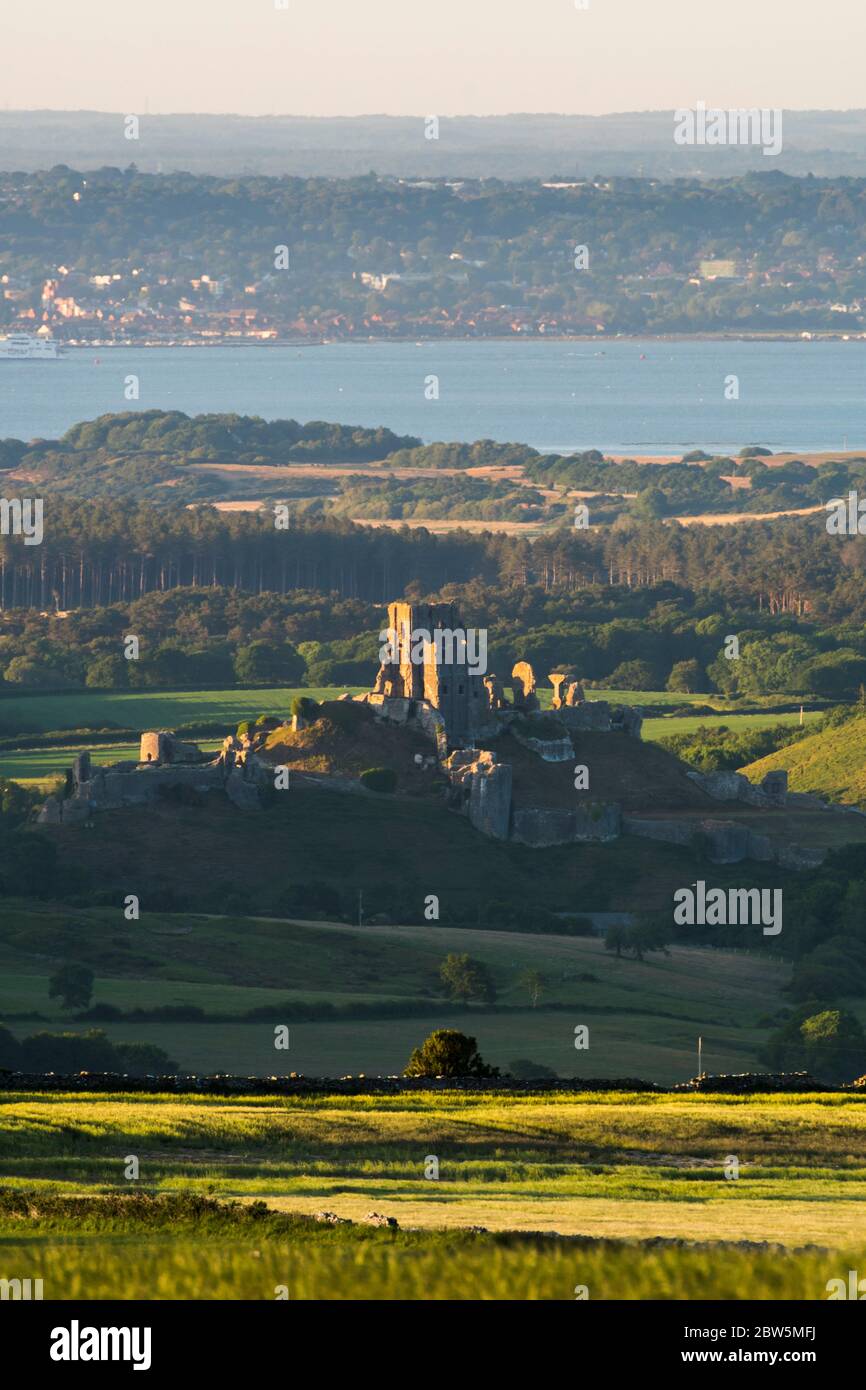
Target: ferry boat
{"points": [[21, 347]]}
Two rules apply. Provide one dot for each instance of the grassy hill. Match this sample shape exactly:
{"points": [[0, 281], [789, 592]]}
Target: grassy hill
{"points": [[213, 858], [831, 764]]}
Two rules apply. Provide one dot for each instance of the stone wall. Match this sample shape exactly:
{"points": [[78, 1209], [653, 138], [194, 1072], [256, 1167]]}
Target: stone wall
{"points": [[726, 842], [240, 777], [543, 826], [733, 786]]}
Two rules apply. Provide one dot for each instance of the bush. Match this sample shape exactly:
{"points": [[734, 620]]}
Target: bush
{"points": [[304, 708], [448, 1053], [686, 676], [829, 1043], [522, 1069], [379, 779]]}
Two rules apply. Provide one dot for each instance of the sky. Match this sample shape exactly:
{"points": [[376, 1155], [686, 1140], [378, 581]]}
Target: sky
{"points": [[422, 57]]}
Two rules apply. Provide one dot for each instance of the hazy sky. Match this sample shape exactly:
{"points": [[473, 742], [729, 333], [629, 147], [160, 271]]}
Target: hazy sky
{"points": [[418, 57]]}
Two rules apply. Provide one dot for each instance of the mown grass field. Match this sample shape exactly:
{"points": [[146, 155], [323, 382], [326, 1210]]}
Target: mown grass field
{"points": [[668, 725], [614, 1170], [148, 709], [644, 1017]]}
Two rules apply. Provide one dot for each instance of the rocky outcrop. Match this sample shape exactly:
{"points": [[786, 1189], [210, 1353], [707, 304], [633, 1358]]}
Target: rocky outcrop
{"points": [[483, 790], [550, 750], [733, 786]]}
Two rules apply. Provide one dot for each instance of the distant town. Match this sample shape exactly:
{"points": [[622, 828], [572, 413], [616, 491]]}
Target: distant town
{"points": [[205, 259]]}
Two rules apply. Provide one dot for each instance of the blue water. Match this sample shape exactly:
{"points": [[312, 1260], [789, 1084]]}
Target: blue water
{"points": [[638, 397]]}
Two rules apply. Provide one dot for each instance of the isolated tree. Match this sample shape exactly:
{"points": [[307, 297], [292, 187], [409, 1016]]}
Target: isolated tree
{"points": [[615, 939], [535, 984], [448, 1052], [466, 979], [72, 984]]}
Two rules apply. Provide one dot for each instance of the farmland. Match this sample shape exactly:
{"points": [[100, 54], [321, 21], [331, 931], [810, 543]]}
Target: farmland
{"points": [[644, 1016], [614, 1169]]}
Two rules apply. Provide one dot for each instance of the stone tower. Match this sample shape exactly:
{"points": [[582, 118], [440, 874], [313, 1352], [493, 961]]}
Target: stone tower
{"points": [[432, 664]]}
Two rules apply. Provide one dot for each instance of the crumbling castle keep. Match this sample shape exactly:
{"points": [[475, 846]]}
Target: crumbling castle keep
{"points": [[435, 674]]}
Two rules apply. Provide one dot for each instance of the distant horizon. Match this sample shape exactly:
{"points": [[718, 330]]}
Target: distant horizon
{"points": [[492, 56], [419, 115]]}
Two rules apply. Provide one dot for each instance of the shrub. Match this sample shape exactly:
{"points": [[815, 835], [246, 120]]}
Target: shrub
{"points": [[304, 708], [522, 1069], [379, 779], [545, 727], [448, 1053]]}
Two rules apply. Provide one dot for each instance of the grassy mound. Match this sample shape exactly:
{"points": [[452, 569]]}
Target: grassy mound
{"points": [[831, 764], [345, 739]]}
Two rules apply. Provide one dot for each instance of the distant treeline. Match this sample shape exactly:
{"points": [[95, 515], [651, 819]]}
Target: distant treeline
{"points": [[171, 437], [95, 554], [162, 457]]}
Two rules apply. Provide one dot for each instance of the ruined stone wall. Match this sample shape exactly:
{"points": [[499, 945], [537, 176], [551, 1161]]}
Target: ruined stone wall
{"points": [[94, 790]]}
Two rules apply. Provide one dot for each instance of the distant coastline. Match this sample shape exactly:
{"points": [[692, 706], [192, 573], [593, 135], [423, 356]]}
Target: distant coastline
{"points": [[819, 335]]}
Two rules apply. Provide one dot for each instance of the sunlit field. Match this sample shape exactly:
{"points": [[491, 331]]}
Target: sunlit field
{"points": [[568, 1188]]}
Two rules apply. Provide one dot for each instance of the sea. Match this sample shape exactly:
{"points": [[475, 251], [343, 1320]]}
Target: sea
{"points": [[625, 396]]}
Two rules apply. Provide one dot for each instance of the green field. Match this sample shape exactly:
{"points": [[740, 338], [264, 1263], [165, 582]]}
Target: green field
{"points": [[156, 709], [668, 725], [148, 709], [644, 1017], [611, 1169]]}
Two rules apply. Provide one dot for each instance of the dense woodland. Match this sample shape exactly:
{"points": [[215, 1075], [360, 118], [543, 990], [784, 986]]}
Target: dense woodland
{"points": [[639, 605]]}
